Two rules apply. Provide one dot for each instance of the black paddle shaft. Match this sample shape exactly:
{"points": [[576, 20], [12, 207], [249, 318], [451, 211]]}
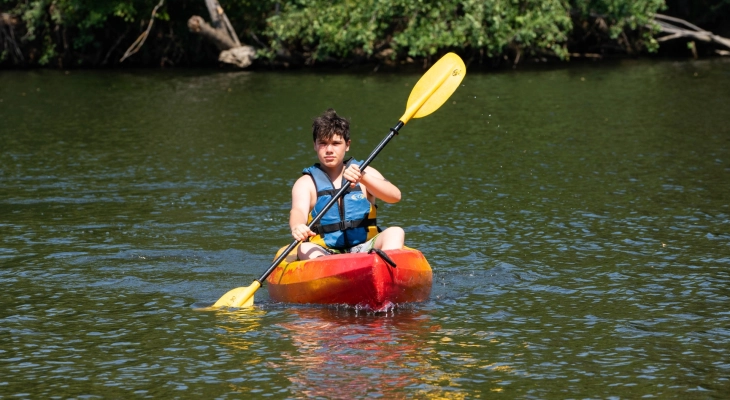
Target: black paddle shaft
{"points": [[393, 131]]}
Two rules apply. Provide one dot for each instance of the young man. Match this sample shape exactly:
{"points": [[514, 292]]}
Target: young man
{"points": [[349, 226]]}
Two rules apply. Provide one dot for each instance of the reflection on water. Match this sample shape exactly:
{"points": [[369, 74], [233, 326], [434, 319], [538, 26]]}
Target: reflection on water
{"points": [[576, 221], [334, 348], [341, 353], [234, 327]]}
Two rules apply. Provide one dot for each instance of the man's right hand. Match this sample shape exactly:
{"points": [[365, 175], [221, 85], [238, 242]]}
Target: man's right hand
{"points": [[301, 232]]}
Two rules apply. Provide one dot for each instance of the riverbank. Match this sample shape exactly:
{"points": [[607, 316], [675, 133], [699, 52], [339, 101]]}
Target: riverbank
{"points": [[283, 35]]}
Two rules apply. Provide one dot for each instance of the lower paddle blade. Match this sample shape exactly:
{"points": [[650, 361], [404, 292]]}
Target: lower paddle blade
{"points": [[239, 297], [435, 87]]}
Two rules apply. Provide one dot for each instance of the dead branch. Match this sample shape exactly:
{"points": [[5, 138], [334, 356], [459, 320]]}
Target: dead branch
{"points": [[673, 28], [221, 33], [219, 21], [218, 17], [219, 37], [240, 56], [230, 29], [141, 39]]}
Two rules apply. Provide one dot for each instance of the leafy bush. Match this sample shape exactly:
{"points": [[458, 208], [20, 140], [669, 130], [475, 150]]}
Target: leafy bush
{"points": [[420, 28], [96, 32], [622, 15], [92, 32]]}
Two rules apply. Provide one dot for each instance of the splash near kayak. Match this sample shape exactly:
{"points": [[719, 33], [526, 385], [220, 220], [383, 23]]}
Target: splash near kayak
{"points": [[361, 280]]}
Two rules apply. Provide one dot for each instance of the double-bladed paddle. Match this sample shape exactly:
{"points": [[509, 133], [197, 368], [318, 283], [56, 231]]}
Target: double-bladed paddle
{"points": [[431, 91]]}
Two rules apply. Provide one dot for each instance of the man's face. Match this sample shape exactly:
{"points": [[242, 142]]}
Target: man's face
{"points": [[331, 151]]}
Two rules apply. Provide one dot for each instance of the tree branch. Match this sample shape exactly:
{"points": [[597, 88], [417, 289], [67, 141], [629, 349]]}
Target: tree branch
{"points": [[141, 39], [219, 37], [223, 36], [671, 26]]}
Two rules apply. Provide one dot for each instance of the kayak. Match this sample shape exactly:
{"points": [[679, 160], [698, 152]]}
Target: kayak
{"points": [[363, 280]]}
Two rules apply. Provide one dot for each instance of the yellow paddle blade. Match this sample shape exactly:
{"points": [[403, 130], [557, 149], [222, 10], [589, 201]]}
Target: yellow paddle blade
{"points": [[239, 297], [435, 87]]}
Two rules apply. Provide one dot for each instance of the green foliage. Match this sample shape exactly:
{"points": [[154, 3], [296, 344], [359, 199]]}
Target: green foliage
{"points": [[89, 32], [420, 28], [55, 25], [81, 31], [621, 15]]}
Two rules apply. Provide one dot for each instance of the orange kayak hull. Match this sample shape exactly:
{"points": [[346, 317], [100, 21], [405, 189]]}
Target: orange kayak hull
{"points": [[360, 280]]}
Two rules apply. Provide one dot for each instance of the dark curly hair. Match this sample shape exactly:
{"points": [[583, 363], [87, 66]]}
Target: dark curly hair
{"points": [[330, 124]]}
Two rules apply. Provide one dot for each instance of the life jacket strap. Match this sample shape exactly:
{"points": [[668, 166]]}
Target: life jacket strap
{"points": [[343, 225], [332, 192]]}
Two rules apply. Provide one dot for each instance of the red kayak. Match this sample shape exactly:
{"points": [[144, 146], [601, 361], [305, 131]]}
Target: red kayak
{"points": [[361, 279]]}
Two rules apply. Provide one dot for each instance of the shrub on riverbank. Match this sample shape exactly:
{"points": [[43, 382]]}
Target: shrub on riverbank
{"points": [[67, 33]]}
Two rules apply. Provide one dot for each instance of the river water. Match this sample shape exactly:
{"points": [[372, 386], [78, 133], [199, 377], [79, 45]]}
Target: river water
{"points": [[577, 221]]}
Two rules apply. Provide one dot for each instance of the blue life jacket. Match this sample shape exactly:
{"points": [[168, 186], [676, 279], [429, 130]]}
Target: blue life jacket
{"points": [[350, 221]]}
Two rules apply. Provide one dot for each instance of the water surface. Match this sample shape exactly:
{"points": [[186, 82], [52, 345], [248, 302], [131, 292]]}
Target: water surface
{"points": [[577, 221]]}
